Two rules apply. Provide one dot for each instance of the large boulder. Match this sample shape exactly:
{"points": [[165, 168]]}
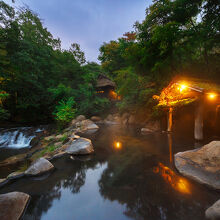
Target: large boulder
{"points": [[201, 165], [12, 205], [15, 175], [80, 118], [76, 120], [3, 182], [112, 119], [213, 212], [39, 167], [80, 146], [86, 125], [96, 118]]}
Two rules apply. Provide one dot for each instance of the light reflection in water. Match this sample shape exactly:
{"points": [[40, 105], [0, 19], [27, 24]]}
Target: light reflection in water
{"points": [[170, 142], [117, 145], [178, 183]]}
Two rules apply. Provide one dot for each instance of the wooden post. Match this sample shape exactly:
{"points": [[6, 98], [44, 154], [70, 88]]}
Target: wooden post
{"points": [[170, 120], [198, 129]]}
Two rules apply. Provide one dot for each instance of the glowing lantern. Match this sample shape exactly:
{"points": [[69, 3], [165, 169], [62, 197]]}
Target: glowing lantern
{"points": [[182, 87], [117, 145], [212, 96]]}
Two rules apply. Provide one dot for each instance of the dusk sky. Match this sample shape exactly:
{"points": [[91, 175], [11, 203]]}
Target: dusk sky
{"points": [[87, 22]]}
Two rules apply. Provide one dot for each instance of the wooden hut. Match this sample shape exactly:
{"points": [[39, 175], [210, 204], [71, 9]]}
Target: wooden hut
{"points": [[204, 94], [106, 88]]}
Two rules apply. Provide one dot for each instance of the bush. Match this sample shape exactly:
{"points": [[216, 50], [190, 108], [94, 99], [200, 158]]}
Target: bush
{"points": [[4, 114], [65, 111]]}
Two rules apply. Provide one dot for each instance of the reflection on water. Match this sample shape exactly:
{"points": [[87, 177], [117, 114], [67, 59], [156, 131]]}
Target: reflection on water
{"points": [[117, 145], [170, 142], [178, 183], [136, 182]]}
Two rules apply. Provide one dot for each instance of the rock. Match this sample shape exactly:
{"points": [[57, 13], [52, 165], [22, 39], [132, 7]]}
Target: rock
{"points": [[35, 141], [49, 138], [80, 118], [74, 136], [109, 118], [3, 182], [112, 120], [80, 146], [125, 116], [81, 158], [13, 160], [96, 118], [59, 136], [86, 125], [125, 119], [58, 155], [39, 167], [151, 126], [15, 175], [72, 123], [146, 130], [213, 212], [132, 119], [201, 165], [12, 205], [58, 144]]}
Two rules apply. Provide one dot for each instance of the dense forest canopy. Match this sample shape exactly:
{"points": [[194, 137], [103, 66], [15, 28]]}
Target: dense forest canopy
{"points": [[177, 37], [39, 80]]}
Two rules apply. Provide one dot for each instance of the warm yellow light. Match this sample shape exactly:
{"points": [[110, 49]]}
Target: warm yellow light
{"points": [[212, 95], [178, 183], [183, 86], [118, 145]]}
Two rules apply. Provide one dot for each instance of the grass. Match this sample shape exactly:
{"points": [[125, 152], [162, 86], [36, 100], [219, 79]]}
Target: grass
{"points": [[64, 138], [48, 149], [24, 166]]}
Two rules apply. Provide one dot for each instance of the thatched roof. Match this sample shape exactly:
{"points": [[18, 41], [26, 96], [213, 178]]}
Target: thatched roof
{"points": [[104, 81]]}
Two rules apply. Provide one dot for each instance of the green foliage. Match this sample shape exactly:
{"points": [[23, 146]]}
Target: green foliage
{"points": [[90, 104], [4, 114], [64, 138], [47, 149], [36, 73], [179, 37], [24, 166], [65, 111]]}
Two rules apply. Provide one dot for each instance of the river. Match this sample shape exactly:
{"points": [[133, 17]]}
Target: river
{"points": [[130, 176]]}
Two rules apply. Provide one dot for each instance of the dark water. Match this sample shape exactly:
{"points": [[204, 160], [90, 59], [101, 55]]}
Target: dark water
{"points": [[134, 179]]}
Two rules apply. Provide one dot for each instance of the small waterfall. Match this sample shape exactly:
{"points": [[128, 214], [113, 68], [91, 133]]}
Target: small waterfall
{"points": [[18, 137]]}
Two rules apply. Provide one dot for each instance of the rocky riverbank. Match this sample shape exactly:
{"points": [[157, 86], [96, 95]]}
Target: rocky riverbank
{"points": [[203, 166], [12, 205]]}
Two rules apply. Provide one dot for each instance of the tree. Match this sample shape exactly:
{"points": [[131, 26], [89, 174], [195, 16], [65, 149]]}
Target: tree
{"points": [[78, 54]]}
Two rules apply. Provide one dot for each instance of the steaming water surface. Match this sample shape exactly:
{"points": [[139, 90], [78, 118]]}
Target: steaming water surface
{"points": [[130, 176]]}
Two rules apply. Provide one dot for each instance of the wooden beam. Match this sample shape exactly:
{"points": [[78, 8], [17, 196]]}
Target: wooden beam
{"points": [[198, 129]]}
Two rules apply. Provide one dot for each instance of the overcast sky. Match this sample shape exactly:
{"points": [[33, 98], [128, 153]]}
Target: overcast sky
{"points": [[87, 22]]}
